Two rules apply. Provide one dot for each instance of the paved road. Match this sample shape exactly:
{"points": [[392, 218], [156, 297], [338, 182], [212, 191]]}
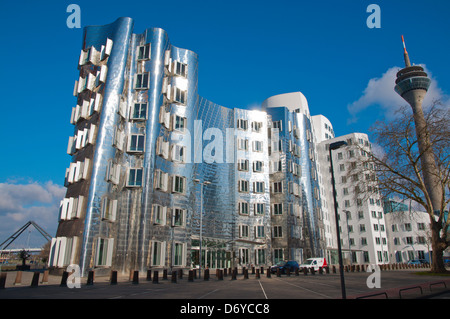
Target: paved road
{"points": [[404, 284]]}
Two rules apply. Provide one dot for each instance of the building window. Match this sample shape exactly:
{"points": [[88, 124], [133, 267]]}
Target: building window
{"points": [[277, 187], [180, 96], [179, 123], [180, 69], [242, 124], [178, 254], [109, 209], [243, 208], [408, 227], [134, 177], [243, 165], [178, 184], [136, 143], [243, 231], [278, 255], [142, 81], [104, 251], [144, 52], [277, 232], [178, 217], [159, 214], [259, 231], [260, 256], [256, 126], [157, 253], [277, 209], [244, 256], [243, 186], [277, 125], [257, 146], [259, 208], [258, 166], [242, 144], [178, 153], [258, 187], [139, 111]]}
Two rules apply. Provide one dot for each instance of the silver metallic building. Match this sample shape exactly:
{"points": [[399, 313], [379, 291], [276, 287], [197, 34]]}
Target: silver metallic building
{"points": [[146, 145]]}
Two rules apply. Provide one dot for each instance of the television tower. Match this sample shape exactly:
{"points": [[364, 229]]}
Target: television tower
{"points": [[412, 85]]}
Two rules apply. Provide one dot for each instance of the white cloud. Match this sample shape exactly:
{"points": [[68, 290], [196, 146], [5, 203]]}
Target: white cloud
{"points": [[20, 203], [380, 92]]}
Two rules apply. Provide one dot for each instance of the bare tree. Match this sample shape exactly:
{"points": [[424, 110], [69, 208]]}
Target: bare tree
{"points": [[396, 159]]}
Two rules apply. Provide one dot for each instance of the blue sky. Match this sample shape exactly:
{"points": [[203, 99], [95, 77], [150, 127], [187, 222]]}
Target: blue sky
{"points": [[248, 51]]}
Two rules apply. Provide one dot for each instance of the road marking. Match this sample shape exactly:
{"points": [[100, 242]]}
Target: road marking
{"points": [[262, 288], [314, 292], [207, 294]]}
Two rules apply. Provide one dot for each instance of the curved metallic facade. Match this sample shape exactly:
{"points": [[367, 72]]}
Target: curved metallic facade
{"points": [[139, 205]]}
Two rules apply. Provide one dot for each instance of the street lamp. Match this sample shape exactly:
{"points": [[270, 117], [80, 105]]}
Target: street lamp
{"points": [[334, 146], [197, 181]]}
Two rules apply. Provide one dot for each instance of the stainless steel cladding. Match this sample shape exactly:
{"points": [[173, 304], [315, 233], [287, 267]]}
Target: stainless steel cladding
{"points": [[153, 145]]}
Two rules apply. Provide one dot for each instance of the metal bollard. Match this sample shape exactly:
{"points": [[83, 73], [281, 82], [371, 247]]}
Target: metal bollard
{"points": [[206, 274], [164, 274], [220, 277], [64, 277], [269, 275], [180, 273], [45, 277], [233, 274], [149, 274], [245, 273], [262, 270], [113, 278], [136, 277], [155, 277], [305, 271], [90, 279], [257, 274], [2, 280], [191, 276], [278, 272], [35, 280]]}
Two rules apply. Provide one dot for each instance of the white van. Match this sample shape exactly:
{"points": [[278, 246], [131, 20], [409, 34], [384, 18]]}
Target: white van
{"points": [[315, 263]]}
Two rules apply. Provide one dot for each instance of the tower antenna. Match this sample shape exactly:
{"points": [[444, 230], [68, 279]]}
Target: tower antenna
{"points": [[405, 54]]}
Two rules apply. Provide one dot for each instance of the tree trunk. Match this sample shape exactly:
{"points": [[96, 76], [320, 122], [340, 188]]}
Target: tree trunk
{"points": [[438, 247]]}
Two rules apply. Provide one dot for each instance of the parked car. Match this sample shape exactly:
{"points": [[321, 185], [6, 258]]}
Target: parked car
{"points": [[292, 265], [315, 263], [417, 262]]}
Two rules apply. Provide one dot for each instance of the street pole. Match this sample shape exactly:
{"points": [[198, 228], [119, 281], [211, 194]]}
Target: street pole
{"points": [[334, 146], [201, 223]]}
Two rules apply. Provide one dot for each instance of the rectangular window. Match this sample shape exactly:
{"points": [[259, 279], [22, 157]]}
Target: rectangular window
{"points": [[242, 144], [142, 81], [178, 254], [139, 111], [242, 124], [257, 146], [179, 95], [179, 123], [180, 69], [260, 256], [178, 184], [243, 165], [244, 256], [256, 126], [277, 187], [136, 143], [161, 180], [134, 177], [278, 255], [159, 214], [277, 232], [277, 209], [109, 209], [258, 166], [178, 217], [277, 125], [178, 153], [243, 231], [259, 208], [144, 52], [104, 251], [243, 186], [243, 208], [259, 231], [258, 187], [157, 253]]}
